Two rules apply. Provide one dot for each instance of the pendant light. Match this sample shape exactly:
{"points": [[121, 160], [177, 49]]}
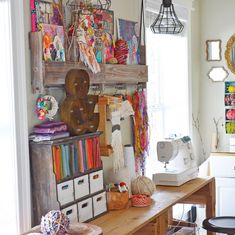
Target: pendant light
{"points": [[167, 21]]}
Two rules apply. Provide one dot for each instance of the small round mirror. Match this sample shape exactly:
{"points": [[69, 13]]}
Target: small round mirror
{"points": [[230, 53]]}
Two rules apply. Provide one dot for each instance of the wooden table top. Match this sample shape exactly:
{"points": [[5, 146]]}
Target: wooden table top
{"points": [[128, 221]]}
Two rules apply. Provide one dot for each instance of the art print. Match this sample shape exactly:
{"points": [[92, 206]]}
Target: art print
{"points": [[46, 12], [53, 42], [103, 21], [129, 31]]}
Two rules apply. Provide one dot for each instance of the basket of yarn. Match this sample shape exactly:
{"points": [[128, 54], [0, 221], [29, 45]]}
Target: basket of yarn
{"points": [[143, 185], [54, 223]]}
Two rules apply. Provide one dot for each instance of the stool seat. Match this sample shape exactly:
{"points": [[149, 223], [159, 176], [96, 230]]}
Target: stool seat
{"points": [[221, 224]]}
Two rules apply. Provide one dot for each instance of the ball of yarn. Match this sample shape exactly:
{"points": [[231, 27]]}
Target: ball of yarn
{"points": [[143, 185], [54, 223]]}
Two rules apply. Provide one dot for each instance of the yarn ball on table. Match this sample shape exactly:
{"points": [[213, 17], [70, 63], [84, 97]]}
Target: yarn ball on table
{"points": [[54, 223], [143, 185]]}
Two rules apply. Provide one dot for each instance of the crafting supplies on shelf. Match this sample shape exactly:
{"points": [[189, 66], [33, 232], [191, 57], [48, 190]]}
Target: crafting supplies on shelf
{"points": [[52, 74], [67, 175], [74, 158]]}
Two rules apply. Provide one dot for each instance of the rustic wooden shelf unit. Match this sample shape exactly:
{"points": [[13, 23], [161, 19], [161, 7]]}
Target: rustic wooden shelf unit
{"points": [[52, 74]]}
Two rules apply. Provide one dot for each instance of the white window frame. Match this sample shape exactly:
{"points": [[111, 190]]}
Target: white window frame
{"points": [[154, 5], [21, 122]]}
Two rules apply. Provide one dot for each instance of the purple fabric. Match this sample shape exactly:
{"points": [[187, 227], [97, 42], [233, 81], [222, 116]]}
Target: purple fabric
{"points": [[50, 127]]}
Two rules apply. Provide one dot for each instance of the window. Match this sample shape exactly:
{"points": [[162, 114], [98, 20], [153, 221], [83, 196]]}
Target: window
{"points": [[168, 90], [8, 202]]}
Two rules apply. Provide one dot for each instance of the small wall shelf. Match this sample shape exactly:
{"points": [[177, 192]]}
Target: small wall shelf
{"points": [[52, 74]]}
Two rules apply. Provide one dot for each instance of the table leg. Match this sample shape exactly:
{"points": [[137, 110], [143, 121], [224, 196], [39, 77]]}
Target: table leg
{"points": [[210, 203], [162, 224]]}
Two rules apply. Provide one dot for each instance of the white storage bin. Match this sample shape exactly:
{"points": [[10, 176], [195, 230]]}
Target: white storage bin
{"points": [[81, 186], [72, 213], [96, 181], [65, 192], [99, 203], [85, 211]]}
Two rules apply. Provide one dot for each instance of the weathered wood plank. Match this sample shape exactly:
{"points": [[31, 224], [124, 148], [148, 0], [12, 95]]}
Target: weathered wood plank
{"points": [[125, 73], [55, 73], [37, 66], [44, 195]]}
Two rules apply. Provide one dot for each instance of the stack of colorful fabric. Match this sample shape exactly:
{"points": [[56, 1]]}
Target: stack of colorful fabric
{"points": [[49, 131], [72, 159], [121, 51]]}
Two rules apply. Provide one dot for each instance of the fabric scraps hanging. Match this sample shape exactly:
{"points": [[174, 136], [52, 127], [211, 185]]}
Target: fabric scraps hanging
{"points": [[118, 154], [86, 40], [119, 111], [141, 136]]}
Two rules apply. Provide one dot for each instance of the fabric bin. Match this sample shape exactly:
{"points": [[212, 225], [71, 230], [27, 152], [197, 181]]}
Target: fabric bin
{"points": [[85, 211], [81, 187], [65, 192], [99, 203]]}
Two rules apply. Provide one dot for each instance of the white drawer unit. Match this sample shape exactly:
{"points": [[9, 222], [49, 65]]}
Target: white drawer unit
{"points": [[72, 213], [222, 166], [81, 187], [225, 196], [85, 211], [96, 181], [99, 204], [65, 192]]}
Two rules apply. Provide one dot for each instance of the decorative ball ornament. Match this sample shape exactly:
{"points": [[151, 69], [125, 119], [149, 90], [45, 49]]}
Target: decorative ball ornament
{"points": [[46, 107], [143, 185], [54, 223]]}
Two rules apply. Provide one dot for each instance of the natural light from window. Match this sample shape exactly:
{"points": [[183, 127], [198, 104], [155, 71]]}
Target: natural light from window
{"points": [[168, 93], [8, 195]]}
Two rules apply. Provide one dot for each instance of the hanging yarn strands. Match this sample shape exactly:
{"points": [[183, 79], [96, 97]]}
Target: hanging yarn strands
{"points": [[141, 137], [86, 40]]}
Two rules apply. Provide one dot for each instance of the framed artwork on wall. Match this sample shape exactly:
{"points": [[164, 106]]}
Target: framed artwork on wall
{"points": [[129, 31], [229, 94], [53, 42], [229, 101], [46, 12]]}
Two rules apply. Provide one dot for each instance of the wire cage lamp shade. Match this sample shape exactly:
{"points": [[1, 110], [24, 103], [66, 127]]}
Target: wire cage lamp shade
{"points": [[167, 21]]}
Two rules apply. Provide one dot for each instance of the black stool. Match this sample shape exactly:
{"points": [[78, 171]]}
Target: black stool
{"points": [[221, 224]]}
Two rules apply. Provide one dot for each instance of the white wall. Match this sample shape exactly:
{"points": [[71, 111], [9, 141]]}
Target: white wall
{"points": [[195, 73], [216, 22]]}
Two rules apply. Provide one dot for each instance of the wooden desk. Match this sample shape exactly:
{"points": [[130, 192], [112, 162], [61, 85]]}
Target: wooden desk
{"points": [[134, 220]]}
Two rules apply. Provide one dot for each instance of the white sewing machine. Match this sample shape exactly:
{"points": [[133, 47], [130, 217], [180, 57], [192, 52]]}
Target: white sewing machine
{"points": [[179, 163]]}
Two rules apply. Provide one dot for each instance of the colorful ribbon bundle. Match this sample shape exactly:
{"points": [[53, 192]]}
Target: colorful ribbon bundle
{"points": [[121, 51], [141, 137]]}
